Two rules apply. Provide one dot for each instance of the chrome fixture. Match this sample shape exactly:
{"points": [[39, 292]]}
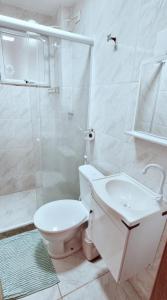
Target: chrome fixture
{"points": [[85, 159], [112, 38], [163, 172]]}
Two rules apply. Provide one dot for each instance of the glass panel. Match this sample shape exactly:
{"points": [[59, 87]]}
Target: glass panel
{"points": [[38, 52], [63, 121], [25, 58], [18, 155], [20, 148], [42, 133], [14, 55]]}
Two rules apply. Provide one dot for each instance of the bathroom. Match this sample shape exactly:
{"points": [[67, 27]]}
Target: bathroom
{"points": [[82, 96]]}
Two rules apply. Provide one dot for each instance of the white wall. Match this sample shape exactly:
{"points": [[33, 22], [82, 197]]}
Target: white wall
{"points": [[20, 126], [15, 12], [115, 81], [47, 116], [114, 90], [24, 115]]}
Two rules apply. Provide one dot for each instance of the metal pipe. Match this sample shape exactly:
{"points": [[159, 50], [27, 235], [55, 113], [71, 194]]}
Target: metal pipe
{"points": [[22, 25]]}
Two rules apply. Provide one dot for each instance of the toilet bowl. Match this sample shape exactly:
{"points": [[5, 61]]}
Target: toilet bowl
{"points": [[61, 222]]}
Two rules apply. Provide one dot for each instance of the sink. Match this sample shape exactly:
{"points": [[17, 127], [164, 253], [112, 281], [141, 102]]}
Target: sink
{"points": [[127, 197], [126, 224], [128, 194]]}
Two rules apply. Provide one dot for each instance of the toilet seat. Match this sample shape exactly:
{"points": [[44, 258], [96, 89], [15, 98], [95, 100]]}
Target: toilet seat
{"points": [[60, 216]]}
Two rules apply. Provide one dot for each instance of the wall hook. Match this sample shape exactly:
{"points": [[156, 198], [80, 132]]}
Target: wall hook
{"points": [[112, 38]]}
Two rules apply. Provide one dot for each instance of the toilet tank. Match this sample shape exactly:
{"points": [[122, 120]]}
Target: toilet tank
{"points": [[87, 173]]}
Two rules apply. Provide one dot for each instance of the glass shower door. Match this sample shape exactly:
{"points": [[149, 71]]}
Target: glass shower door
{"points": [[20, 62], [64, 117]]}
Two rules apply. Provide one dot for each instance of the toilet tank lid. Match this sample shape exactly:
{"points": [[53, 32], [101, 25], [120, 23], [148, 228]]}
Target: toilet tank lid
{"points": [[90, 173]]}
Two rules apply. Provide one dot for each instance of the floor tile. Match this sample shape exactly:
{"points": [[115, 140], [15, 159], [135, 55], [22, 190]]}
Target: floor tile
{"points": [[102, 288], [51, 293], [98, 289], [129, 290], [75, 271]]}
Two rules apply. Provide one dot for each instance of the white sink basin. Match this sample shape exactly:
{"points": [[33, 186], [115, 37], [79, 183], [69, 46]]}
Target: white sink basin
{"points": [[126, 196]]}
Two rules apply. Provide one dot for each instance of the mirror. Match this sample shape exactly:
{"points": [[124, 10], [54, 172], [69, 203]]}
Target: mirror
{"points": [[151, 114]]}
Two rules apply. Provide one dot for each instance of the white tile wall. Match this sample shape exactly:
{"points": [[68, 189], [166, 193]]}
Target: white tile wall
{"points": [[36, 124], [17, 160], [115, 76], [114, 90], [21, 112]]}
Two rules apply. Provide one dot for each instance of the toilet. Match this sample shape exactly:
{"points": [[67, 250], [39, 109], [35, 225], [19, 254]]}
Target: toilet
{"points": [[62, 222]]}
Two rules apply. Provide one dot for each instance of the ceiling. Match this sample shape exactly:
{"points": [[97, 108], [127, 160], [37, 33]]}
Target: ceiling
{"points": [[47, 7]]}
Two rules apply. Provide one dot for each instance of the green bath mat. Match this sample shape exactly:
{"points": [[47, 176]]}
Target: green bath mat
{"points": [[25, 266]]}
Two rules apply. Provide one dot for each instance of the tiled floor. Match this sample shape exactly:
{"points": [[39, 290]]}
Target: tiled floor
{"points": [[83, 280]]}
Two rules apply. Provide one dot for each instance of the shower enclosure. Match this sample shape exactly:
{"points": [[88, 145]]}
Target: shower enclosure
{"points": [[44, 97]]}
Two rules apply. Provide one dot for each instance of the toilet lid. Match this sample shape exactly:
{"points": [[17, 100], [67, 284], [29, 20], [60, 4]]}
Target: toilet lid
{"points": [[60, 215]]}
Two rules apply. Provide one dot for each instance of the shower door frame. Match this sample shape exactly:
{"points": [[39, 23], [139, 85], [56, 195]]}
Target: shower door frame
{"points": [[44, 85], [21, 83]]}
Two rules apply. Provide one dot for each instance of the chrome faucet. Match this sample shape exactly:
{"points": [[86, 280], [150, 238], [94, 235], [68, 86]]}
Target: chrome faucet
{"points": [[162, 170]]}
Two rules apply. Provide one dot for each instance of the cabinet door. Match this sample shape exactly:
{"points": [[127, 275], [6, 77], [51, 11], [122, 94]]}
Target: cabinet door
{"points": [[142, 245], [110, 238]]}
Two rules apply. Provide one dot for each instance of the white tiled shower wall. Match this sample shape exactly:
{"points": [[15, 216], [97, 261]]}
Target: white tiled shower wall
{"points": [[41, 137], [19, 146], [19, 122], [114, 91]]}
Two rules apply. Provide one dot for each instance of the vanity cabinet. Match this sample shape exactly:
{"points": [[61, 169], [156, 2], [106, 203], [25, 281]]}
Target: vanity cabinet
{"points": [[126, 250]]}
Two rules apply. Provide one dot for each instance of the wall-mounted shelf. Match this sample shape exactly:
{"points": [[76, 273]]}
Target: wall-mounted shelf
{"points": [[148, 137]]}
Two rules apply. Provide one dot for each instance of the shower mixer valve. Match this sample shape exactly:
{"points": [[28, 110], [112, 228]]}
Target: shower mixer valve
{"points": [[114, 39]]}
